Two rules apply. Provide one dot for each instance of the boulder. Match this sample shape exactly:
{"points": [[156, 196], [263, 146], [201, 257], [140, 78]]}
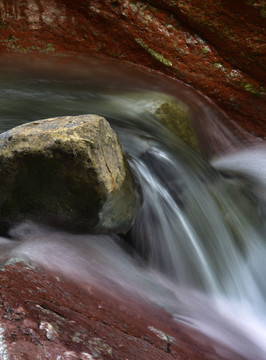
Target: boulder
{"points": [[66, 171]]}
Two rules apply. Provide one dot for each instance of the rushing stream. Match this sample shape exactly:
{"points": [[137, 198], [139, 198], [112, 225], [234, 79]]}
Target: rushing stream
{"points": [[200, 238]]}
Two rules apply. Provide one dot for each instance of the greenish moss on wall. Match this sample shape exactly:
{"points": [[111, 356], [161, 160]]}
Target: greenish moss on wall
{"points": [[154, 53], [12, 43], [252, 88]]}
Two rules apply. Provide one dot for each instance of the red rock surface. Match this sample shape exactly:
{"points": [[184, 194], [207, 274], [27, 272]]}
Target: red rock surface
{"points": [[217, 47], [45, 317]]}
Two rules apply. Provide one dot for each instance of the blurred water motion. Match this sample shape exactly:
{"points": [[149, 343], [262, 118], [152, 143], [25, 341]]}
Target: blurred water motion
{"points": [[32, 89], [198, 246]]}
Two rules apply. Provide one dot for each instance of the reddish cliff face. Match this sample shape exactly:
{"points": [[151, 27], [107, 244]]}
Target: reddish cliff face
{"points": [[217, 47]]}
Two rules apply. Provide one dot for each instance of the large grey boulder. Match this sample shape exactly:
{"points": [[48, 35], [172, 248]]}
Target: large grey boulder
{"points": [[66, 171]]}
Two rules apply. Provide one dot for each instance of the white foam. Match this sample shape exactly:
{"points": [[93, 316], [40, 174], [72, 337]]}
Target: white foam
{"points": [[3, 347]]}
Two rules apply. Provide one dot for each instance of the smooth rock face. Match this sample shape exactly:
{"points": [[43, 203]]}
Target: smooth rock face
{"points": [[66, 171]]}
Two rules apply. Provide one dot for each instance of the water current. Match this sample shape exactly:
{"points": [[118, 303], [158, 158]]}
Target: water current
{"points": [[199, 241]]}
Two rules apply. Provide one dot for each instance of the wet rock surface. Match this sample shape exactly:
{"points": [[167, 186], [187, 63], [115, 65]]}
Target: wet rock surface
{"points": [[175, 116], [68, 171], [44, 317], [171, 112], [218, 48]]}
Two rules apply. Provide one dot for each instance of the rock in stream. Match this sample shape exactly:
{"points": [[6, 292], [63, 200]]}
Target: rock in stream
{"points": [[66, 171]]}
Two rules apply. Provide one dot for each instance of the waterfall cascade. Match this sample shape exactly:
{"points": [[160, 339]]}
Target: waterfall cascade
{"points": [[197, 248]]}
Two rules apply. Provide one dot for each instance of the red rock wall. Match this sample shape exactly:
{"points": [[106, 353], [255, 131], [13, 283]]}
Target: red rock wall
{"points": [[217, 47], [43, 317]]}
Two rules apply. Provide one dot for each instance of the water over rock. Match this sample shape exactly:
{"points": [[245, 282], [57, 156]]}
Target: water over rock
{"points": [[66, 170], [171, 112], [174, 115]]}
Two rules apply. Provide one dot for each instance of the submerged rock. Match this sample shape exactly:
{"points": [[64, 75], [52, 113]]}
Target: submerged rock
{"points": [[66, 171], [176, 116], [170, 111]]}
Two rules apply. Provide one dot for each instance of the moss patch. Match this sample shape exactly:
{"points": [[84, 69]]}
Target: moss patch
{"points": [[176, 118], [252, 88], [154, 53], [12, 43]]}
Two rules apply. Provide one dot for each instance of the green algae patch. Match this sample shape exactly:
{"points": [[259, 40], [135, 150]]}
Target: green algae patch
{"points": [[154, 53], [206, 49], [133, 7], [252, 88], [220, 66], [235, 77], [175, 116], [168, 110], [12, 43]]}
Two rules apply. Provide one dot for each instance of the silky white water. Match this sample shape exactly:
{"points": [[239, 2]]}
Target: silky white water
{"points": [[198, 245]]}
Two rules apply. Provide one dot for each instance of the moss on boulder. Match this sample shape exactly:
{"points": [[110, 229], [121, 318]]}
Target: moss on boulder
{"points": [[66, 171], [176, 116], [170, 111]]}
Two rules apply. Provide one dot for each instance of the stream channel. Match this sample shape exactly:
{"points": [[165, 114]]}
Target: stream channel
{"points": [[198, 245]]}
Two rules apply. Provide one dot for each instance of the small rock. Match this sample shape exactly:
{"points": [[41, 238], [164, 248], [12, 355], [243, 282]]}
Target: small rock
{"points": [[51, 333]]}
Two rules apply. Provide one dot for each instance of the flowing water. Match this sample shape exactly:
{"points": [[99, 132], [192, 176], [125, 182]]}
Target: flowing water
{"points": [[198, 245]]}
